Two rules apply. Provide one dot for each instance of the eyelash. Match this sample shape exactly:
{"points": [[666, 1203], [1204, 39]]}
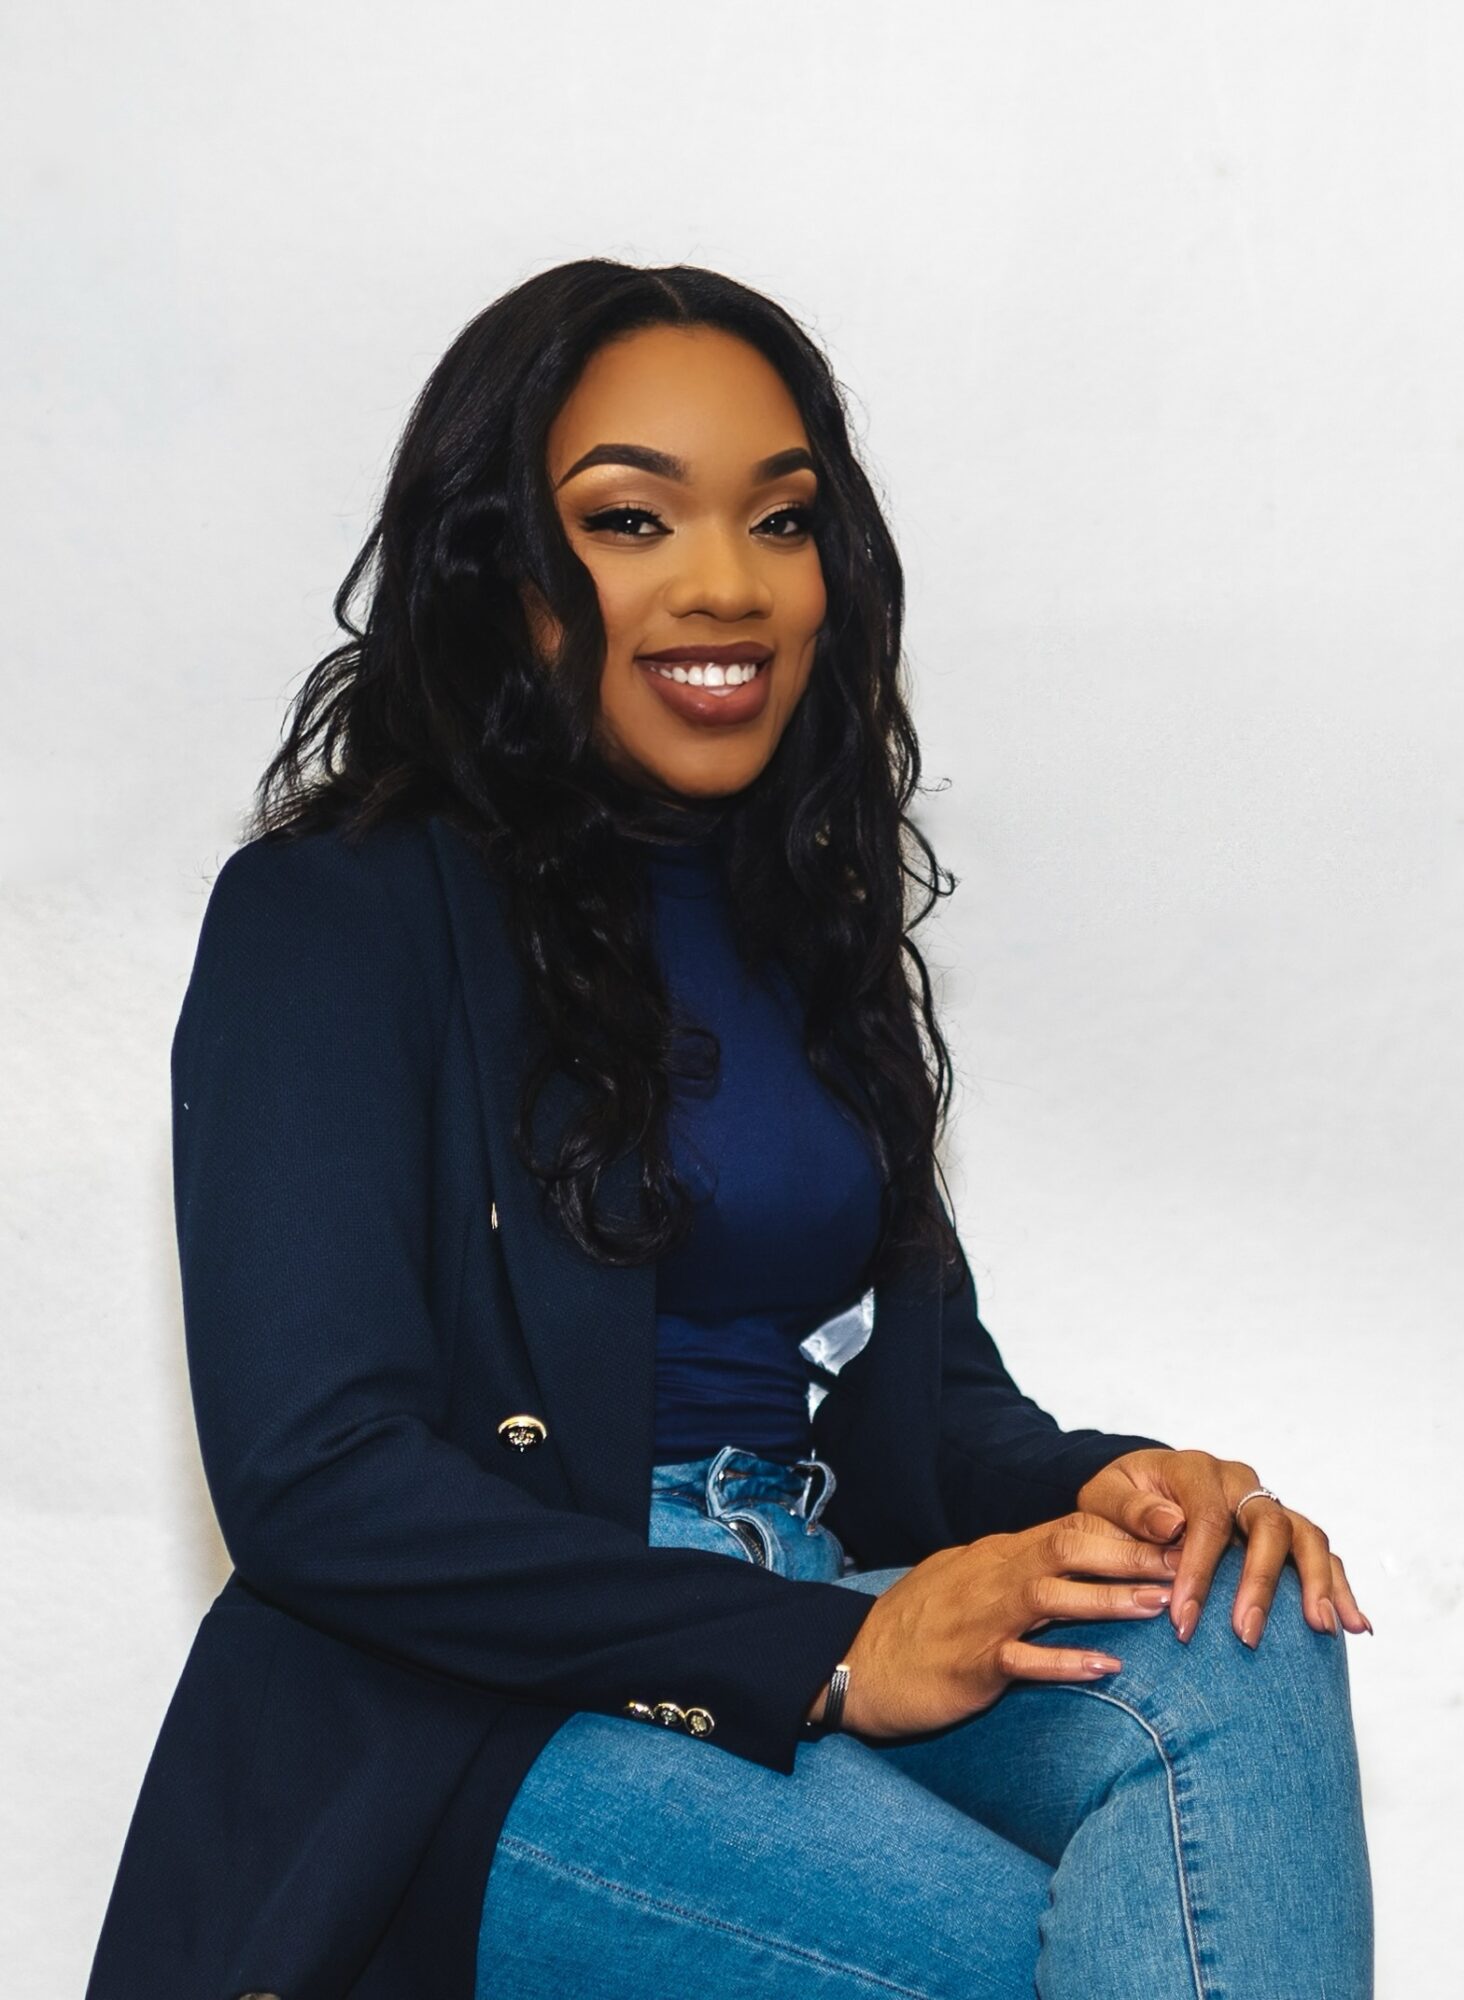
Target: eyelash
{"points": [[605, 515]]}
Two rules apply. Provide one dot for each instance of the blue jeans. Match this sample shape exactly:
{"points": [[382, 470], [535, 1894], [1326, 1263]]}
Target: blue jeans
{"points": [[1189, 1826]]}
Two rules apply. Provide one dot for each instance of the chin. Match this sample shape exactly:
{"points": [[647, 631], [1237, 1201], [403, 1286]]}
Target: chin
{"points": [[709, 782], [716, 773]]}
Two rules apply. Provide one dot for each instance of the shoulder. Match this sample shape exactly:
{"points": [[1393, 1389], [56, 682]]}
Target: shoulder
{"points": [[320, 907], [385, 880], [391, 866]]}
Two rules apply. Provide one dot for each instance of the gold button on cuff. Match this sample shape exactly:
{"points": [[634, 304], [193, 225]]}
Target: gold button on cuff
{"points": [[522, 1431], [670, 1715], [700, 1721]]}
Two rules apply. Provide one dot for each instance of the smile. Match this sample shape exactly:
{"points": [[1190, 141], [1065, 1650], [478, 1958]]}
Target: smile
{"points": [[710, 693], [709, 674]]}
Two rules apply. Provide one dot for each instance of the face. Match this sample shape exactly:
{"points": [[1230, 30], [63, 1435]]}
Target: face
{"points": [[683, 478]]}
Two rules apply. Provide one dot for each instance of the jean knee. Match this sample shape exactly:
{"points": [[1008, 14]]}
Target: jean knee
{"points": [[1293, 1669]]}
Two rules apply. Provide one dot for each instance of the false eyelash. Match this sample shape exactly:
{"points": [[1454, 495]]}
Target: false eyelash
{"points": [[799, 510], [605, 515], [608, 514]]}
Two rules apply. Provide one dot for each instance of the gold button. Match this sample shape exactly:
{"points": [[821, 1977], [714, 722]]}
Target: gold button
{"points": [[641, 1710], [700, 1721], [670, 1715], [522, 1431]]}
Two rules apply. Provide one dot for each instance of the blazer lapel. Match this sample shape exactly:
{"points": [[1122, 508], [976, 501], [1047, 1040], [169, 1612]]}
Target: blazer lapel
{"points": [[590, 1328]]}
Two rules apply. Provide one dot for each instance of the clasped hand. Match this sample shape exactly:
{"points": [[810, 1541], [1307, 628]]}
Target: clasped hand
{"points": [[948, 1636], [1156, 1495]]}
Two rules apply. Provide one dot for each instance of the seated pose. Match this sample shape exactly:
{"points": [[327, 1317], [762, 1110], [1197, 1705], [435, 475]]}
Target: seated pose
{"points": [[648, 1580]]}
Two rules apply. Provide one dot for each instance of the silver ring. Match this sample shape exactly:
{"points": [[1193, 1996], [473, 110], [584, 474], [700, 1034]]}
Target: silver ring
{"points": [[1257, 1493]]}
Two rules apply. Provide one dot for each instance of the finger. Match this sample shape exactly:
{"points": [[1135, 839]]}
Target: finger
{"points": [[1021, 1662], [1050, 1597], [1149, 1517], [1266, 1526], [1101, 1525], [1353, 1617], [1311, 1552], [1210, 1520], [1081, 1552]]}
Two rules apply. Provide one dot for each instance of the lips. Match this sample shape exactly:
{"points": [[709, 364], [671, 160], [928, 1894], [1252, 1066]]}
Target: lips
{"points": [[709, 706], [745, 653]]}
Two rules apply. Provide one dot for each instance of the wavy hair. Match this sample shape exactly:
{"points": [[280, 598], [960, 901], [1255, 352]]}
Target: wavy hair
{"points": [[438, 702]]}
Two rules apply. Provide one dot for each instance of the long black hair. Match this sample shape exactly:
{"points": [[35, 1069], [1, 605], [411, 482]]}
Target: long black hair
{"points": [[438, 703]]}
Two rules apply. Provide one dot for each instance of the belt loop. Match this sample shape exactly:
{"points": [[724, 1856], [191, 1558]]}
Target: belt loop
{"points": [[717, 1471], [810, 1520]]}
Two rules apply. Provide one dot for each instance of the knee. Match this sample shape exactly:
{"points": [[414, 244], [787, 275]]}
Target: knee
{"points": [[1294, 1667], [1285, 1624]]}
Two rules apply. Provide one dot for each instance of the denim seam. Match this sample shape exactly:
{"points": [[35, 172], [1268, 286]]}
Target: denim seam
{"points": [[1191, 1939], [776, 1946]]}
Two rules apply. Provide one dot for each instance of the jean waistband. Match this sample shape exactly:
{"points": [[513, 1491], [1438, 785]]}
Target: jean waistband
{"points": [[735, 1474]]}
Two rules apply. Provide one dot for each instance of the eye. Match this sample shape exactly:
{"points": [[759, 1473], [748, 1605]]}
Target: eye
{"points": [[801, 518], [613, 517]]}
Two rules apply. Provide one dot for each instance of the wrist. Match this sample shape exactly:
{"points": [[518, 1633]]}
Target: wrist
{"points": [[828, 1707]]}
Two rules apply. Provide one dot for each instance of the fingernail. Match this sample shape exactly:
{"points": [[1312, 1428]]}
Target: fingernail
{"points": [[1094, 1663], [1173, 1558], [1329, 1616], [1367, 1621], [1188, 1618], [1250, 1629]]}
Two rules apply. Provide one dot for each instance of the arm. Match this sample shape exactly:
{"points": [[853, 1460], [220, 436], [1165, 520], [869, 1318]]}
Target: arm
{"points": [[304, 1065], [1004, 1462]]}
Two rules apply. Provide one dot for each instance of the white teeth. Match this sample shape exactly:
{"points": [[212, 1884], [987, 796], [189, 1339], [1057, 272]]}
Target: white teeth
{"points": [[709, 675]]}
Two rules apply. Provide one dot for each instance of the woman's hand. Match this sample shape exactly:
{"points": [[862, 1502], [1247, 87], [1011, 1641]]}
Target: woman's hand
{"points": [[944, 1640], [1154, 1494]]}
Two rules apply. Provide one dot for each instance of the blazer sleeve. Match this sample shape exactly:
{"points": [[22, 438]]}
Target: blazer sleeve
{"points": [[303, 1072], [1004, 1462]]}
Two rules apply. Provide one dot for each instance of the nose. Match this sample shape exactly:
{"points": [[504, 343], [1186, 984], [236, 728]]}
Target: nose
{"points": [[719, 575]]}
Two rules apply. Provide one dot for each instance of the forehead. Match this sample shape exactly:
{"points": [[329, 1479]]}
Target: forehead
{"points": [[697, 392]]}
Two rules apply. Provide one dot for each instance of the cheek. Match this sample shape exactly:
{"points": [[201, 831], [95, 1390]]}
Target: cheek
{"points": [[625, 603], [801, 613], [810, 601]]}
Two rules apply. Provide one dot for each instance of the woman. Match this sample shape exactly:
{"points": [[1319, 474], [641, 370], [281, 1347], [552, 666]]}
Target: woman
{"points": [[579, 1340]]}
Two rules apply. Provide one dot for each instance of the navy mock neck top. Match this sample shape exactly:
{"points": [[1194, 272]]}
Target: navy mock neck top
{"points": [[786, 1187]]}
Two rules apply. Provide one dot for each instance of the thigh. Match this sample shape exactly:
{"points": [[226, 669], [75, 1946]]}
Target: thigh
{"points": [[639, 1862]]}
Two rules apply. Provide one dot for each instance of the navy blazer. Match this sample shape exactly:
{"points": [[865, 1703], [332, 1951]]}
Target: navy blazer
{"points": [[369, 1290]]}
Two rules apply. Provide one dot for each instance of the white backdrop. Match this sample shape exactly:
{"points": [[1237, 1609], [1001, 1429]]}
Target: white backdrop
{"points": [[1151, 315]]}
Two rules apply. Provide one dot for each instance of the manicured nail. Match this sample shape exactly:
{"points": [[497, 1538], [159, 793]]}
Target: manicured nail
{"points": [[1329, 1616], [1250, 1629], [1188, 1618], [1367, 1621], [1173, 1558], [1094, 1663]]}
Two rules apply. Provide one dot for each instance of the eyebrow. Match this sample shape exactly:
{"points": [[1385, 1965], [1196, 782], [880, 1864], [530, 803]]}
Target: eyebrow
{"points": [[645, 459]]}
